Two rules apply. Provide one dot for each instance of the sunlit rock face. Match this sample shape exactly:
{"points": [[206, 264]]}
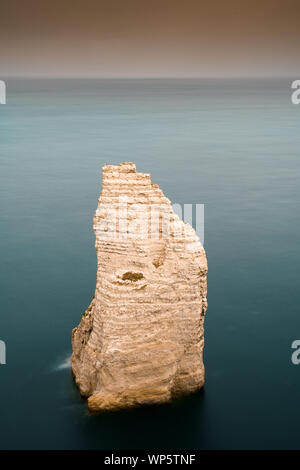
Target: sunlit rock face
{"points": [[141, 339]]}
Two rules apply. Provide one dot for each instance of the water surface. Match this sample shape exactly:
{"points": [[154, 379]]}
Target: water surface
{"points": [[230, 144]]}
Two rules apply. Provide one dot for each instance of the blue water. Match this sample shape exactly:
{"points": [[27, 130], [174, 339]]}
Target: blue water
{"points": [[232, 145]]}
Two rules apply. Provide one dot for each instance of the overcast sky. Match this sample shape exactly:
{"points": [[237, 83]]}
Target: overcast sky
{"points": [[138, 38]]}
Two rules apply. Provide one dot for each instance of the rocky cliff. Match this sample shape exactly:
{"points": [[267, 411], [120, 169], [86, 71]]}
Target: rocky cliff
{"points": [[141, 339]]}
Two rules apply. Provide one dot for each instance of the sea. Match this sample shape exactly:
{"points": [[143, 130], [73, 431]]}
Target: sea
{"points": [[230, 144]]}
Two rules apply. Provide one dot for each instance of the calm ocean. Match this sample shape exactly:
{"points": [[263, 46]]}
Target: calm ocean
{"points": [[232, 145]]}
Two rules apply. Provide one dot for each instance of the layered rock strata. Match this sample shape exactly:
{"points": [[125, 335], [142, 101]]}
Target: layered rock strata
{"points": [[141, 339]]}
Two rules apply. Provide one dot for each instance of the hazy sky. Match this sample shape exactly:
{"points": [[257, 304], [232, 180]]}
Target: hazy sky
{"points": [[149, 38]]}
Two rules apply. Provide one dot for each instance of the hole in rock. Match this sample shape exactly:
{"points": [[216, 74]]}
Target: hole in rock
{"points": [[129, 276]]}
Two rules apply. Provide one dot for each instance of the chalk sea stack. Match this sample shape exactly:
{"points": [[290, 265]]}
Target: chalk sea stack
{"points": [[141, 339]]}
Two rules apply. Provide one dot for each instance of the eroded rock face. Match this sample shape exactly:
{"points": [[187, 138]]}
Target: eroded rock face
{"points": [[141, 339]]}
